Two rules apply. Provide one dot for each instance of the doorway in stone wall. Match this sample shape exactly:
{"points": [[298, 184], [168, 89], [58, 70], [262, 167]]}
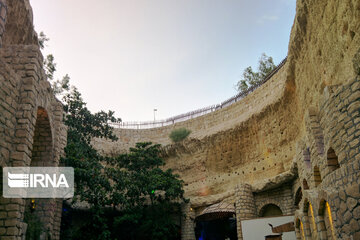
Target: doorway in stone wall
{"points": [[216, 222], [39, 212]]}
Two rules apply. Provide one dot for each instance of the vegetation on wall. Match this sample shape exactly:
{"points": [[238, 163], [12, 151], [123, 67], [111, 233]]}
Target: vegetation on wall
{"points": [[179, 134], [251, 78]]}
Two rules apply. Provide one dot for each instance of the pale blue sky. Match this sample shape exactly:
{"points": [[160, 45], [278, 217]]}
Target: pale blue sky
{"points": [[132, 56]]}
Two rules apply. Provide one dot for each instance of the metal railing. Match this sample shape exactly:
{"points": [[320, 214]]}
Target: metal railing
{"points": [[198, 112]]}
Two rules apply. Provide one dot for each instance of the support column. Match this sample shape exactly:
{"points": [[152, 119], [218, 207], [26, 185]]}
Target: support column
{"points": [[187, 222], [3, 11], [244, 206]]}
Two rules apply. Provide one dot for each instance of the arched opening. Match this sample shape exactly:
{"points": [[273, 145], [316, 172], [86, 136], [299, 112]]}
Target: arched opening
{"points": [[216, 222], [298, 197], [39, 212], [317, 176], [332, 160], [326, 218], [309, 212], [270, 210], [299, 229], [307, 161], [305, 185]]}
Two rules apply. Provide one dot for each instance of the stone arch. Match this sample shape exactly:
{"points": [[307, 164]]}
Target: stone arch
{"points": [[307, 158], [270, 210], [299, 229], [317, 176], [305, 205], [326, 221], [310, 218], [305, 185], [41, 211], [298, 197], [332, 160], [315, 131], [42, 147]]}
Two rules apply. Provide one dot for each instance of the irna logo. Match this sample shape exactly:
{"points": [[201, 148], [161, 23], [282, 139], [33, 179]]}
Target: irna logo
{"points": [[38, 182]]}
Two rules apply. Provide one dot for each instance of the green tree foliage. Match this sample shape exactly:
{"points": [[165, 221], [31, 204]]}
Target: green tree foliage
{"points": [[91, 182], [251, 78], [149, 196], [145, 198], [42, 40], [58, 86], [179, 134]]}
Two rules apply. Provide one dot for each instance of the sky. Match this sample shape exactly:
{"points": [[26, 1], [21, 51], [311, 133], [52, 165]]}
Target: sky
{"points": [[176, 56]]}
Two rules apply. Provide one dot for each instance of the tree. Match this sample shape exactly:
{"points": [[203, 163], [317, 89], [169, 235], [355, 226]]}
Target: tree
{"points": [[145, 198], [91, 183], [251, 78], [148, 195], [58, 86]]}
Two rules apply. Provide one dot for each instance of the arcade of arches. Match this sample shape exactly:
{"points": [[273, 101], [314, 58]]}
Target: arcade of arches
{"points": [[290, 147]]}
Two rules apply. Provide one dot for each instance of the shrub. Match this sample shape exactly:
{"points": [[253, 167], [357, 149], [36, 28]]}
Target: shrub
{"points": [[180, 134]]}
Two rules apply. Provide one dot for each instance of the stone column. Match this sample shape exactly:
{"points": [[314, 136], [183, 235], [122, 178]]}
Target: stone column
{"points": [[3, 11], [244, 206], [187, 222]]}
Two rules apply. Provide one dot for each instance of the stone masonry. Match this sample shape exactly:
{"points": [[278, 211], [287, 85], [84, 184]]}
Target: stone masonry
{"points": [[31, 129], [293, 143]]}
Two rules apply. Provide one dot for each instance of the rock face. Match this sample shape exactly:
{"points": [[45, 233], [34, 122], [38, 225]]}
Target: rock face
{"points": [[32, 132], [253, 137], [294, 141]]}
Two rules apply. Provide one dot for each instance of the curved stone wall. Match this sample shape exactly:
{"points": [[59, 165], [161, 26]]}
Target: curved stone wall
{"points": [[293, 142], [251, 140]]}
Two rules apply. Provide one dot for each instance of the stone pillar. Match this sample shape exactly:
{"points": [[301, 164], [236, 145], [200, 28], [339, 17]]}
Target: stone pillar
{"points": [[187, 222], [11, 215], [3, 11], [244, 206]]}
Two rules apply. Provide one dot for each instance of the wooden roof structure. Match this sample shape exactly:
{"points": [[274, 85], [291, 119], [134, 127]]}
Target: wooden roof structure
{"points": [[217, 211]]}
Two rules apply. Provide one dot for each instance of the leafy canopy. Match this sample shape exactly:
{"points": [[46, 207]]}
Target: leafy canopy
{"points": [[251, 78]]}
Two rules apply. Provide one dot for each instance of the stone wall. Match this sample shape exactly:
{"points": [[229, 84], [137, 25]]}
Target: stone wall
{"points": [[300, 129], [3, 11], [253, 137], [294, 141], [31, 129], [281, 197], [337, 121]]}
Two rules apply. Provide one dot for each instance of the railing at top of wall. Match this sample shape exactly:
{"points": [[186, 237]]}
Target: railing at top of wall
{"points": [[199, 112]]}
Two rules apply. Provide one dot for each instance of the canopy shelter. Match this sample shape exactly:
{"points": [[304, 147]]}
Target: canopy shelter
{"points": [[217, 211]]}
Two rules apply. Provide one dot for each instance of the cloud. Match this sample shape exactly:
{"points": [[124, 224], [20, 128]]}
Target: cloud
{"points": [[267, 18]]}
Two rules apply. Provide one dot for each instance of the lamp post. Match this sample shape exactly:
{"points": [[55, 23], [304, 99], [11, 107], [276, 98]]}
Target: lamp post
{"points": [[154, 113]]}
